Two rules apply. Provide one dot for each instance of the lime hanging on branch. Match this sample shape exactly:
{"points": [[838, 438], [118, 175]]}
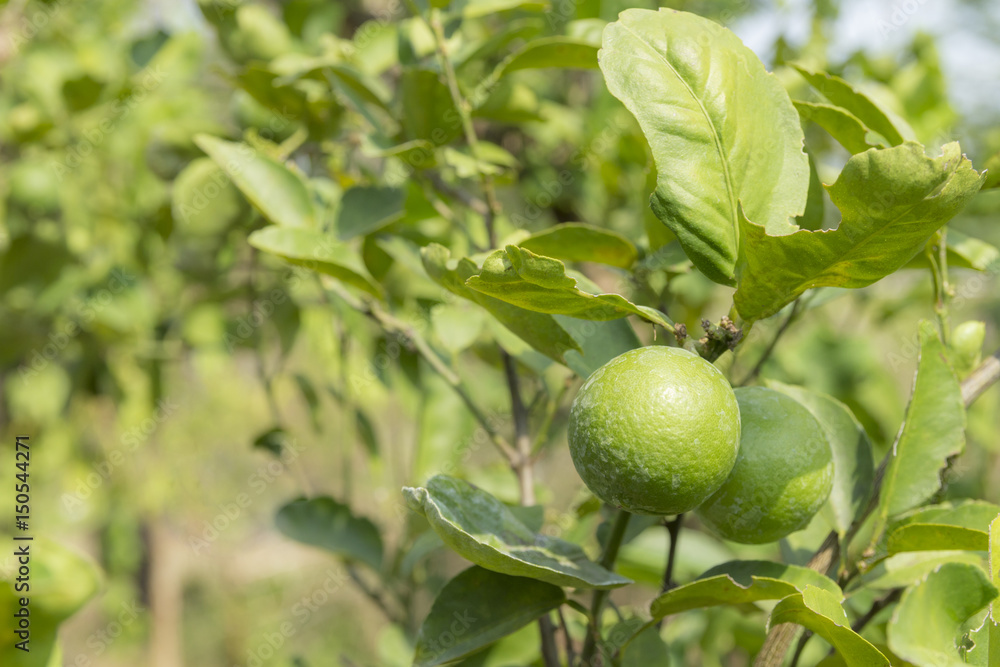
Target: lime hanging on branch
{"points": [[655, 431]]}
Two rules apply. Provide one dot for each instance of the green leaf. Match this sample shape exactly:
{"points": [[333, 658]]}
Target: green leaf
{"points": [[853, 465], [472, 9], [964, 252], [275, 190], [272, 441], [600, 342], [477, 608], [317, 251], [427, 109], [551, 52], [861, 106], [934, 537], [933, 430], [483, 530], [842, 125], [906, 569], [722, 131], [812, 217], [323, 522], [61, 583], [820, 611], [364, 210], [540, 331], [891, 201], [537, 283], [993, 168], [739, 582], [927, 624], [578, 242]]}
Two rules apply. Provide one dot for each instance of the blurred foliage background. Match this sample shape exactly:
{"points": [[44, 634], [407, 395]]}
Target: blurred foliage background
{"points": [[178, 387]]}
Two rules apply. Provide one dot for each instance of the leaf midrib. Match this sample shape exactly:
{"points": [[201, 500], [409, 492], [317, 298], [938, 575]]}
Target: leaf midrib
{"points": [[708, 119]]}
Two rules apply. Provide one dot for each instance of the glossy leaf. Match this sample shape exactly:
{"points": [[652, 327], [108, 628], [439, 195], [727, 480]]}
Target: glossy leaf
{"points": [[933, 430], [325, 523], [578, 242], [820, 611], [483, 530], [364, 210], [722, 131], [537, 283], [927, 625], [276, 191], [539, 330], [842, 125], [860, 105], [891, 201], [477, 608], [739, 582], [316, 251], [853, 464]]}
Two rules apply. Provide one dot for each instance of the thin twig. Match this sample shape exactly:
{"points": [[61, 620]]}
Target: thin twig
{"points": [[374, 595], [570, 650], [607, 561], [773, 344], [877, 606], [803, 640], [674, 531], [981, 379]]}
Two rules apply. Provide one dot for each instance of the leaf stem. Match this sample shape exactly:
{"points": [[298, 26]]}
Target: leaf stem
{"points": [[601, 595], [674, 531]]}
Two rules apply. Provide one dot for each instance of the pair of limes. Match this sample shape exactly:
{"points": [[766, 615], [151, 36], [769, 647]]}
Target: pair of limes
{"points": [[659, 430]]}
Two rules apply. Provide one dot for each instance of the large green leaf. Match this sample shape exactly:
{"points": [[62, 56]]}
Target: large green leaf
{"points": [[482, 529], [868, 112], [853, 465], [323, 522], [842, 125], [933, 430], [61, 582], [927, 625], [722, 131], [891, 201], [537, 283], [739, 582], [953, 525], [275, 190], [477, 608], [539, 330], [578, 242], [317, 251], [364, 210], [820, 611]]}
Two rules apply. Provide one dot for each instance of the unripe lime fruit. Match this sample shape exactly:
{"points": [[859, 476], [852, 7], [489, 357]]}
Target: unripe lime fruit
{"points": [[655, 430], [782, 476], [966, 346]]}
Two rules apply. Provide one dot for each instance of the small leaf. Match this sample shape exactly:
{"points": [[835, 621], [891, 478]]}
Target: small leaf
{"points": [[842, 125], [721, 129], [483, 530], [927, 624], [934, 537], [739, 582], [308, 392], [891, 201], [537, 283], [316, 251], [861, 106], [366, 432], [933, 430], [477, 608], [820, 611], [325, 523], [540, 331], [555, 51], [473, 9], [271, 441], [428, 111], [276, 191], [364, 210], [578, 242], [853, 465]]}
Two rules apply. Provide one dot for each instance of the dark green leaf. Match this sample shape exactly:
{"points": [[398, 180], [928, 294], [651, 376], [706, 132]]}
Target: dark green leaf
{"points": [[272, 441], [276, 191], [721, 128], [578, 242], [364, 210], [891, 201], [366, 432], [316, 251], [325, 523], [482, 529], [477, 608], [927, 624]]}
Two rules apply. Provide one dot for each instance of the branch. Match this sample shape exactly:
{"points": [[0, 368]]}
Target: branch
{"points": [[981, 379], [773, 344], [600, 596]]}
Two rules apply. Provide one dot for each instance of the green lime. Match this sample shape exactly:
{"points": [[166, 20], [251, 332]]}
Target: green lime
{"points": [[783, 474], [655, 430], [205, 202]]}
